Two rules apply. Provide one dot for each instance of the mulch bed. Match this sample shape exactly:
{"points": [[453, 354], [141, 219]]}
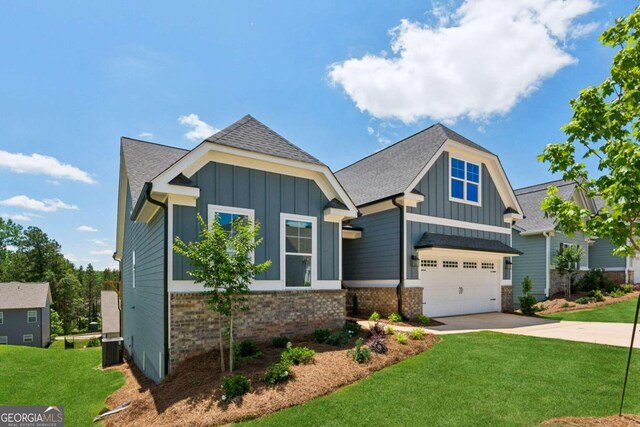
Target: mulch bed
{"points": [[407, 323], [555, 303], [613, 421], [191, 393]]}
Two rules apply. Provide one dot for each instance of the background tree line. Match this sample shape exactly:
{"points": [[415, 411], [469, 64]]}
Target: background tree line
{"points": [[29, 255]]}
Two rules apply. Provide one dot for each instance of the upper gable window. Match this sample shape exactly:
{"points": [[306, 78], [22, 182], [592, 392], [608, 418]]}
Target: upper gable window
{"points": [[464, 181]]}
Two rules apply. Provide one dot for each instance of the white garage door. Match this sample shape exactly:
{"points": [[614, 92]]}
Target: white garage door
{"points": [[456, 285]]}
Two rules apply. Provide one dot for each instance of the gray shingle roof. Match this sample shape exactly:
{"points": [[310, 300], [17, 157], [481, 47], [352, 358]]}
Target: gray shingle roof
{"points": [[530, 199], [23, 295], [436, 240], [390, 171]]}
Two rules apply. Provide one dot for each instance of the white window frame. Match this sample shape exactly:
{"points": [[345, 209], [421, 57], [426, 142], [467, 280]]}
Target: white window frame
{"points": [[35, 315], [1, 318], [4, 340], [249, 213], [283, 247], [465, 181], [27, 338], [133, 269]]}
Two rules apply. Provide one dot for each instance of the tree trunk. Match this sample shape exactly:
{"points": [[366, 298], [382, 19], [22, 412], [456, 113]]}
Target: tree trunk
{"points": [[231, 343], [221, 342]]}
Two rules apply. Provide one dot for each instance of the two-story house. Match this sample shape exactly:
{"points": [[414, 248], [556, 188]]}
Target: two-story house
{"points": [[25, 313]]}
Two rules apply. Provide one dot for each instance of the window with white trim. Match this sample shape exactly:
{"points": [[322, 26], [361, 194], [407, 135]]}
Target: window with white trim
{"points": [[298, 252], [32, 316], [464, 181], [1, 318], [450, 264], [227, 215], [428, 263], [133, 269], [4, 340], [469, 264], [488, 265], [27, 338]]}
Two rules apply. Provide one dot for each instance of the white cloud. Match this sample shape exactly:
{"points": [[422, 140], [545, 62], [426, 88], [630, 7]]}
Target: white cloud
{"points": [[477, 62], [100, 242], [370, 130], [46, 205], [87, 229], [39, 164], [199, 130], [19, 217], [145, 135], [102, 252]]}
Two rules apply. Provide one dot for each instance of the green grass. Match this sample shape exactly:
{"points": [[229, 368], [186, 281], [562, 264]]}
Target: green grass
{"points": [[621, 312], [53, 376], [480, 379]]}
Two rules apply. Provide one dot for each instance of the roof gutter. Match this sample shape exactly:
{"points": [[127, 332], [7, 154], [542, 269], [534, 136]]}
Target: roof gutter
{"points": [[401, 255], [147, 196]]}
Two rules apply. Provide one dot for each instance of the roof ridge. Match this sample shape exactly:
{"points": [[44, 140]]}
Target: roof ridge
{"points": [[153, 143], [565, 183]]}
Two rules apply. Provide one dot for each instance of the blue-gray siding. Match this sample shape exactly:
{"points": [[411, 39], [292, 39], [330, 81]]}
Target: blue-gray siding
{"points": [[268, 194], [601, 255], [435, 186], [531, 263], [375, 256], [415, 230], [577, 239], [15, 325], [143, 306]]}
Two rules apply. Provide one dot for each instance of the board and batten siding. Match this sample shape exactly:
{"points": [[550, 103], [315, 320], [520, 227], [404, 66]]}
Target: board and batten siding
{"points": [[578, 239], [375, 256], [143, 306], [531, 263], [268, 194], [601, 256]]}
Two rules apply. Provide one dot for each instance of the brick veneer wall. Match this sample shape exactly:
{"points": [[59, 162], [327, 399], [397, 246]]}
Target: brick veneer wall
{"points": [[558, 282], [507, 298], [194, 327], [618, 277], [385, 301]]}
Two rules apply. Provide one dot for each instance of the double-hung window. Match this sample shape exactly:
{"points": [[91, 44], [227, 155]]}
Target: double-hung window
{"points": [[3, 339], [464, 182], [1, 318], [32, 316], [227, 215], [299, 250]]}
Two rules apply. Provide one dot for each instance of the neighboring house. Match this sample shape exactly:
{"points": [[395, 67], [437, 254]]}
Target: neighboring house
{"points": [[244, 170], [435, 232], [537, 237], [25, 313], [110, 314]]}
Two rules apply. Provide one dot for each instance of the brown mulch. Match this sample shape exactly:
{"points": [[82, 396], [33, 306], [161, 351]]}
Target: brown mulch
{"points": [[407, 323], [613, 421], [191, 394], [555, 303]]}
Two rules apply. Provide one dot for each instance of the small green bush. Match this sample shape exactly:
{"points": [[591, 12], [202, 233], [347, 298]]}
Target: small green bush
{"points": [[321, 335], [593, 280], [352, 328], [93, 342], [391, 330], [277, 373], [417, 334], [566, 305], [234, 386], [597, 295], [401, 338], [246, 349], [395, 318], [338, 339], [424, 320], [297, 355], [527, 300], [280, 341], [374, 316], [583, 300], [360, 354], [616, 293], [626, 288]]}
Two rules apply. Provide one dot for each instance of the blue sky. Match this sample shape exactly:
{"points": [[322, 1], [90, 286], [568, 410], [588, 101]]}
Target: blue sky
{"points": [[76, 76]]}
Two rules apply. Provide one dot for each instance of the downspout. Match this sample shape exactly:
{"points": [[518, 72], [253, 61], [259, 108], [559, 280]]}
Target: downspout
{"points": [[626, 269], [401, 255], [120, 294], [547, 236], [164, 207]]}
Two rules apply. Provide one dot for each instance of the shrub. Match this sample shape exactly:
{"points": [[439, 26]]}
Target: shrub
{"points": [[93, 342], [597, 295], [395, 318], [616, 293], [234, 386], [424, 320], [378, 329], [297, 355], [277, 373], [417, 334], [280, 341], [338, 339], [583, 300], [360, 354], [374, 316], [377, 344], [566, 305], [391, 330], [401, 338], [626, 288], [246, 349], [352, 328], [593, 280], [321, 335], [527, 301]]}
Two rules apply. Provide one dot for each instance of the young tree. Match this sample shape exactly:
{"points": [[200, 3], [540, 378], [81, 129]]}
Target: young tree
{"points": [[567, 261], [222, 260]]}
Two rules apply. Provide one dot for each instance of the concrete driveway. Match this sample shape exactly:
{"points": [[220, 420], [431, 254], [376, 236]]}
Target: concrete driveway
{"points": [[617, 334]]}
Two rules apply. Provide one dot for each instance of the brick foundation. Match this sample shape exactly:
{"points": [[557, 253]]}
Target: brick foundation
{"points": [[618, 277], [557, 282], [507, 298], [385, 301], [194, 327]]}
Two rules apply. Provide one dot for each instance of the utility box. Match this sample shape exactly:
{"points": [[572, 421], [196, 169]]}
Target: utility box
{"points": [[93, 327], [111, 351]]}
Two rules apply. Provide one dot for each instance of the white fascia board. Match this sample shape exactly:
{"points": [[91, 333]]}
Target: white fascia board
{"points": [[550, 231], [436, 220], [351, 234], [336, 215], [384, 205], [122, 206], [423, 253]]}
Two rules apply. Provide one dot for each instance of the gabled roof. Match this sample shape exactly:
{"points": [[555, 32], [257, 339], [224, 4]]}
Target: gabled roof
{"points": [[24, 295], [530, 199], [390, 171], [444, 241]]}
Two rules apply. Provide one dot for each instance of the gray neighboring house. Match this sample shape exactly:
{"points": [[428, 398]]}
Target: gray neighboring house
{"points": [[434, 235], [244, 170], [25, 313], [539, 239]]}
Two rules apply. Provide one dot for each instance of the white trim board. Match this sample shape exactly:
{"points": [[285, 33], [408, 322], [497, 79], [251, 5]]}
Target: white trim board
{"points": [[189, 286], [426, 219]]}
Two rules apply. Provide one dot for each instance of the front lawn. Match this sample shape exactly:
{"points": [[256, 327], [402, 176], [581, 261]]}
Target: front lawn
{"points": [[53, 377], [480, 379], [622, 312]]}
